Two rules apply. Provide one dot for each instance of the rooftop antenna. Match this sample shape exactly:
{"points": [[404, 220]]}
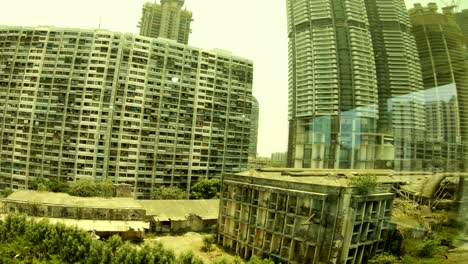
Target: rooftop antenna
{"points": [[100, 20]]}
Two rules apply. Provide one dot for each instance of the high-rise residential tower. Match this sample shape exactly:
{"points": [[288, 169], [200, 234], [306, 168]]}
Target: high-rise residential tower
{"points": [[333, 92], [401, 102], [440, 44], [98, 104], [166, 20], [254, 128]]}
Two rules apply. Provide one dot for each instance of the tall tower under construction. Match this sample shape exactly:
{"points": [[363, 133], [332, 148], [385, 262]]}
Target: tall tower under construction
{"points": [[401, 101], [166, 20], [441, 50]]}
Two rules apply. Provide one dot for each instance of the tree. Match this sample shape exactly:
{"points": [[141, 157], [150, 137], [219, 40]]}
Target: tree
{"points": [[90, 188], [168, 193], [206, 189], [44, 184], [83, 188]]}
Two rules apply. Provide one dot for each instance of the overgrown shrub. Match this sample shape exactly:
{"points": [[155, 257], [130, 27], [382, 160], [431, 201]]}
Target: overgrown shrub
{"points": [[364, 184], [384, 258], [189, 258], [208, 242]]}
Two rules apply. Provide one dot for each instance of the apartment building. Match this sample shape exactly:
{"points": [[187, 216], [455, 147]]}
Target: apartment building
{"points": [[96, 104], [166, 20], [311, 216]]}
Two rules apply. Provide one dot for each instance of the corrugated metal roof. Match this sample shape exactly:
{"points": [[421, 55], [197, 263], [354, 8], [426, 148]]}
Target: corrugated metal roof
{"points": [[28, 196], [165, 210]]}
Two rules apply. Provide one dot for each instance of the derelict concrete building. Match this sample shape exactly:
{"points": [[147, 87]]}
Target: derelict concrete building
{"points": [[303, 217]]}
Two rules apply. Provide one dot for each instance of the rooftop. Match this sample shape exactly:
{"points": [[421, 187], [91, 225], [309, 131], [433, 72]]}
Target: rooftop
{"points": [[165, 210], [325, 177], [68, 200]]}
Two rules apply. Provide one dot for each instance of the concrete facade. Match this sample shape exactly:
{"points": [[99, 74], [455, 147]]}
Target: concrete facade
{"points": [[166, 20], [96, 104], [254, 128], [304, 217]]}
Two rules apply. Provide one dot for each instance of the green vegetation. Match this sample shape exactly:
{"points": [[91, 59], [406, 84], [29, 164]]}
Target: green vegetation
{"points": [[206, 189], [208, 242], [83, 187], [364, 184], [432, 249], [189, 258], [90, 188], [24, 240], [27, 241], [238, 260], [5, 192], [44, 184], [384, 258], [168, 193]]}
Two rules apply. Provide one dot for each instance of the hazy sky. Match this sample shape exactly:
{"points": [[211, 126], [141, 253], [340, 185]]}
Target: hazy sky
{"points": [[254, 29]]}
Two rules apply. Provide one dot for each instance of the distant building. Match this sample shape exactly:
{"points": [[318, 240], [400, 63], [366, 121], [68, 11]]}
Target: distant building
{"points": [[166, 20], [304, 217], [96, 104], [279, 158], [440, 44], [254, 128]]}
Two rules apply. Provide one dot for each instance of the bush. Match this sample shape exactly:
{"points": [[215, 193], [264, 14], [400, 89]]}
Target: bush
{"points": [[364, 184], [256, 260], [189, 258], [384, 258], [208, 242]]}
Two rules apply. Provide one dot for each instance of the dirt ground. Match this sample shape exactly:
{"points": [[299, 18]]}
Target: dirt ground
{"points": [[189, 241]]}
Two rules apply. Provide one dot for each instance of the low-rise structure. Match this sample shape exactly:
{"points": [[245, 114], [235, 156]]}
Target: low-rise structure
{"points": [[124, 216], [307, 216], [181, 215]]}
